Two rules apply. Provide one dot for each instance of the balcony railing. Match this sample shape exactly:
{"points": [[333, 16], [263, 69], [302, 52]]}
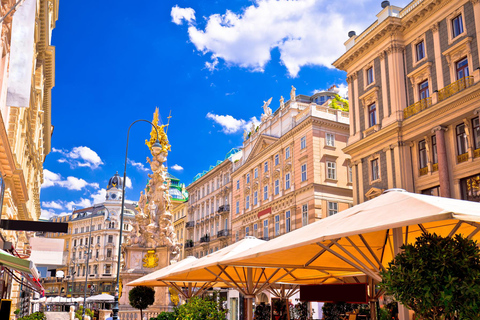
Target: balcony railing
{"points": [[423, 171], [223, 233], [190, 224], [476, 153], [435, 167], [462, 157], [455, 87], [224, 208], [188, 244], [205, 239], [417, 107]]}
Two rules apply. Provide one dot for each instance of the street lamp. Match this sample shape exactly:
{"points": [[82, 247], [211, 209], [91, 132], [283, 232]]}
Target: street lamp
{"points": [[156, 146]]}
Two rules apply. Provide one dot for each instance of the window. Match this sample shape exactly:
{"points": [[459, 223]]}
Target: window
{"points": [[350, 174], [476, 133], [247, 202], [287, 181], [109, 253], [226, 223], [265, 229], [255, 198], [369, 76], [462, 68], [247, 231], [461, 139], [265, 193], [457, 26], [420, 49], [248, 177], [74, 243], [277, 187], [277, 160], [81, 230], [303, 143], [81, 242], [255, 173], [332, 208], [108, 269], [423, 90], [331, 170], [372, 114], [265, 166], [287, 154], [288, 223], [237, 207], [304, 172], [277, 225], [434, 149], [330, 139], [97, 253], [66, 244], [79, 254], [255, 229], [375, 169], [238, 184], [110, 239], [88, 229], [422, 154], [237, 236], [304, 215]]}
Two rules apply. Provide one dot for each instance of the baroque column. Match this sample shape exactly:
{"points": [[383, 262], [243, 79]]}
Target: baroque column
{"points": [[443, 173]]}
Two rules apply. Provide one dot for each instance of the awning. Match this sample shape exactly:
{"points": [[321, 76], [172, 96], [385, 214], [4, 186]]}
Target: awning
{"points": [[23, 265]]}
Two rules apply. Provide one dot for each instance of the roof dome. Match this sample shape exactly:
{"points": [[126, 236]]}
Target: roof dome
{"points": [[115, 182]]}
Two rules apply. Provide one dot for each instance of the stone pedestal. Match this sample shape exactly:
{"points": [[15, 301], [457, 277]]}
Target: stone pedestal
{"points": [[136, 268]]}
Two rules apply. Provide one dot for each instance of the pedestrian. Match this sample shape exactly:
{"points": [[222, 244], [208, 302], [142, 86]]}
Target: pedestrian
{"points": [[111, 317]]}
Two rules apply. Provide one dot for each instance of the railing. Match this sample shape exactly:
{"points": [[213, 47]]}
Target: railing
{"points": [[412, 5], [423, 171], [417, 107], [223, 233], [435, 167], [476, 153], [190, 224], [135, 315], [462, 157], [224, 208], [455, 87], [188, 244], [205, 239]]}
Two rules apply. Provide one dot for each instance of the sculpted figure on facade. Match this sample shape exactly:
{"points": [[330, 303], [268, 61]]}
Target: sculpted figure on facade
{"points": [[292, 94], [267, 112], [154, 224], [282, 103]]}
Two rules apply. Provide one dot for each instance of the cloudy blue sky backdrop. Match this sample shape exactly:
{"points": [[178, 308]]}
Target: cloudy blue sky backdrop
{"points": [[211, 63]]}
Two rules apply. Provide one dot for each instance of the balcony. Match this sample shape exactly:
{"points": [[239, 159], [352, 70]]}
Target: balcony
{"points": [[190, 224], [224, 208], [435, 167], [417, 107], [223, 233], [462, 157], [188, 244], [423, 171], [455, 87], [205, 239], [476, 153]]}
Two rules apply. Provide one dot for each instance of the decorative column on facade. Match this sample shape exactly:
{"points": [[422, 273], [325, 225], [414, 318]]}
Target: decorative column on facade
{"points": [[355, 178], [469, 133], [443, 173], [438, 56], [352, 103], [383, 74], [357, 106], [388, 154], [361, 193], [397, 84]]}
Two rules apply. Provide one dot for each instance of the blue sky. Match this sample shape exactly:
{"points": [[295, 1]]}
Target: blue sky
{"points": [[211, 63]]}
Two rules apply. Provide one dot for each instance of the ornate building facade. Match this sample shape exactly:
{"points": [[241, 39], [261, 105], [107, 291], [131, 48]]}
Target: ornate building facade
{"points": [[413, 79], [292, 171], [208, 226], [97, 228], [27, 75]]}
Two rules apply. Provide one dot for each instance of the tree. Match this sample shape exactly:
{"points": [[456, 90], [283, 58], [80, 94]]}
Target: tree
{"points": [[209, 308], [262, 311], [437, 277], [141, 297]]}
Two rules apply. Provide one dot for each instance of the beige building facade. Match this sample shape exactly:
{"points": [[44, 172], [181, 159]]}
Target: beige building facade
{"points": [[208, 226], [413, 79], [292, 171], [25, 115]]}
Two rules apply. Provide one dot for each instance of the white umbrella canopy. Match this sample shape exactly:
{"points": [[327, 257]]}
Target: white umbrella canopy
{"points": [[101, 298], [365, 237]]}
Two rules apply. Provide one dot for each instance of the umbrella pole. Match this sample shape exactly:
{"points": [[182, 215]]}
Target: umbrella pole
{"points": [[397, 243], [250, 297]]}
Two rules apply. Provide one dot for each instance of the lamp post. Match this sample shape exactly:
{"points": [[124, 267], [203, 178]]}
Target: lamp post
{"points": [[156, 146]]}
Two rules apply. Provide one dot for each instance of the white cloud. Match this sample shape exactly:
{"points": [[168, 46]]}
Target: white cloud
{"points": [[52, 205], [230, 124], [82, 203], [176, 167], [128, 183], [179, 14], [46, 214], [51, 179], [80, 157], [138, 165], [342, 90], [306, 32], [99, 196]]}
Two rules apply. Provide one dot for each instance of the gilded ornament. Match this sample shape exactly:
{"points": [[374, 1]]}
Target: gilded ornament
{"points": [[150, 260]]}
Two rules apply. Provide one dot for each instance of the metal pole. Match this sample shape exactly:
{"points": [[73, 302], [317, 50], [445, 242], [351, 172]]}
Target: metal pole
{"points": [[86, 274], [117, 286]]}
